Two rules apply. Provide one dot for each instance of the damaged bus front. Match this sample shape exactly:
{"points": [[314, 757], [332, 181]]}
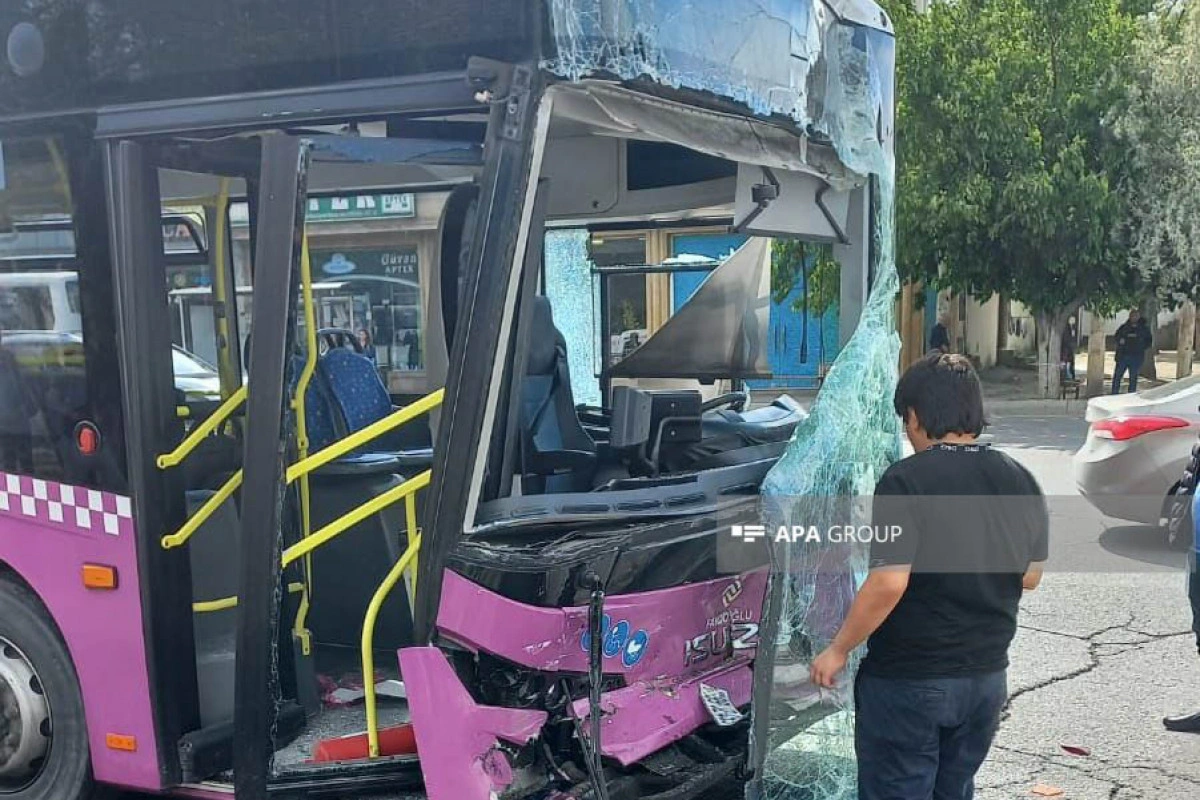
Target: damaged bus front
{"points": [[592, 621], [433, 424]]}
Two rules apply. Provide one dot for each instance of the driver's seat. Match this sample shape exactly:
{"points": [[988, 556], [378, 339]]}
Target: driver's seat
{"points": [[557, 454]]}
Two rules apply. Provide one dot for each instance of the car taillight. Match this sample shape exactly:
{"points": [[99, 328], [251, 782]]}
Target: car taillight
{"points": [[1123, 428]]}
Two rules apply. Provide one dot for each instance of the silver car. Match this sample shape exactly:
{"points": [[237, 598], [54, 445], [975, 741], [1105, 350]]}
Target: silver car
{"points": [[1137, 448]]}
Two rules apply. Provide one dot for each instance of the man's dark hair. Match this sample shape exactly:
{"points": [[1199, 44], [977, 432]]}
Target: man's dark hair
{"points": [[943, 390]]}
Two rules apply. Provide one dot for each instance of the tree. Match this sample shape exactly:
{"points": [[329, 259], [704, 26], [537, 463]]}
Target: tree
{"points": [[810, 265], [1009, 179], [1161, 125]]}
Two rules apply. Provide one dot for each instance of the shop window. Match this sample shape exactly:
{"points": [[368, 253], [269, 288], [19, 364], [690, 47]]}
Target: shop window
{"points": [[376, 293], [370, 254]]}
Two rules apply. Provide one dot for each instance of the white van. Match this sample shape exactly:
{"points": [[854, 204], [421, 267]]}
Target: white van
{"points": [[40, 301]]}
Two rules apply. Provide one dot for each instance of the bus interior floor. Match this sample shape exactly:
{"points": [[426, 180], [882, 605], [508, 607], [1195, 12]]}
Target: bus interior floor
{"points": [[333, 722]]}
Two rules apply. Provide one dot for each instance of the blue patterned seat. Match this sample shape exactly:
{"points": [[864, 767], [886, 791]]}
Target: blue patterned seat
{"points": [[356, 387]]}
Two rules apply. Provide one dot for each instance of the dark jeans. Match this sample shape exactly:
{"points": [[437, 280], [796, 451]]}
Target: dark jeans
{"points": [[924, 739], [1194, 595], [1130, 365]]}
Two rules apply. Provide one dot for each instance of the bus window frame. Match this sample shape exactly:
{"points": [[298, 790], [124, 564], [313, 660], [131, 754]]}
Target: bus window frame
{"points": [[87, 220], [140, 261], [129, 134]]}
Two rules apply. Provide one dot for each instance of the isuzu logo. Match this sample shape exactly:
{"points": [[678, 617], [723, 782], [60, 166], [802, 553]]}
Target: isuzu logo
{"points": [[732, 592]]}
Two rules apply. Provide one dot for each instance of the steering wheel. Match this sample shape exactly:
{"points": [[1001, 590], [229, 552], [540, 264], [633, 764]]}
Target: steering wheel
{"points": [[735, 401], [333, 338]]}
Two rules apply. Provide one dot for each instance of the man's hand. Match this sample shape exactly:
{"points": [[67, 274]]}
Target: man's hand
{"points": [[825, 667], [879, 594]]}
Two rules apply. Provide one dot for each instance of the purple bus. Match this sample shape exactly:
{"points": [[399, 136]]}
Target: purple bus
{"points": [[491, 560]]}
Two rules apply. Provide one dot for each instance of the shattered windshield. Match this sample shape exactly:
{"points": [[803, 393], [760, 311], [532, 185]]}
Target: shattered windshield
{"points": [[834, 77]]}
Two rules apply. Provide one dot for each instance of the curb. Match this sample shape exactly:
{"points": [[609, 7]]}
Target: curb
{"points": [[1036, 408]]}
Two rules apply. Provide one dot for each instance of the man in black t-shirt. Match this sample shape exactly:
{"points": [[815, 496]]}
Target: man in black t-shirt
{"points": [[968, 535]]}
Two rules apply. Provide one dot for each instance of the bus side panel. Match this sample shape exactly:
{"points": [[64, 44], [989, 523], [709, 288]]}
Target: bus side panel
{"points": [[48, 531]]}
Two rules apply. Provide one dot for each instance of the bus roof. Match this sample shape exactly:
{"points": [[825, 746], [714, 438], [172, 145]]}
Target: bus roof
{"points": [[65, 57]]}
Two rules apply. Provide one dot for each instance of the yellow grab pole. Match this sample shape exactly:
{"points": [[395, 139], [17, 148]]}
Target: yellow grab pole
{"points": [[364, 435], [368, 639], [349, 520], [206, 606], [410, 521], [222, 293], [299, 628], [193, 439], [180, 537]]}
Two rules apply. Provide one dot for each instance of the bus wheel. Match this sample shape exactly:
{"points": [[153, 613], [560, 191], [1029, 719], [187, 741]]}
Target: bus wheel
{"points": [[43, 735]]}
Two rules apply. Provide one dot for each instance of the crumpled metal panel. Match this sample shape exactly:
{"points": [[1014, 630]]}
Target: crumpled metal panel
{"points": [[721, 332], [774, 57]]}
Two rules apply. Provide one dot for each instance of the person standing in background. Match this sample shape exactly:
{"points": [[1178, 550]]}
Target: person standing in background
{"points": [[364, 342], [1133, 340], [1070, 339], [939, 338]]}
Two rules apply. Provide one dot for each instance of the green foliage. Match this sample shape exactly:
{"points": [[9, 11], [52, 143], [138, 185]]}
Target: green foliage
{"points": [[823, 287], [1009, 180], [628, 315], [1161, 125]]}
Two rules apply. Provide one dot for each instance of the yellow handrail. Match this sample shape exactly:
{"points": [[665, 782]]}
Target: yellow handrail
{"points": [[180, 537], [307, 465], [208, 606], [365, 435], [204, 429], [299, 629], [410, 521], [230, 377], [368, 630], [349, 520]]}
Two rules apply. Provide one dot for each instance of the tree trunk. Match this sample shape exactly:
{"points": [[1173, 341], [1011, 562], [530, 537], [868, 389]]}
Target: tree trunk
{"points": [[1095, 362], [1049, 351], [1150, 314], [1187, 333]]}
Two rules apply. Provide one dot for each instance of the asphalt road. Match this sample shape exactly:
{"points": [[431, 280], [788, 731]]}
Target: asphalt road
{"points": [[1103, 652]]}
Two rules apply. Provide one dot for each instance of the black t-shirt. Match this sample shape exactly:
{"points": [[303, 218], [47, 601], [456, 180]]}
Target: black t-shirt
{"points": [[969, 520]]}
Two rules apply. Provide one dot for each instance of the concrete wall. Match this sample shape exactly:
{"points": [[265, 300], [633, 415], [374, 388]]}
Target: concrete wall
{"points": [[981, 334], [974, 325], [1166, 320], [1022, 329]]}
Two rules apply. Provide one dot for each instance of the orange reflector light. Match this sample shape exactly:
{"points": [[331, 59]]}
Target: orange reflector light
{"points": [[117, 741], [87, 438], [98, 576]]}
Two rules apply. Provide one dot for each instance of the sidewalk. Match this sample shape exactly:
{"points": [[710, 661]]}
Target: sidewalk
{"points": [[1014, 392], [1009, 392]]}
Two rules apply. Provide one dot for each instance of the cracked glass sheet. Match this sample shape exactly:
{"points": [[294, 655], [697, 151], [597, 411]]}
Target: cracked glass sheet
{"points": [[756, 52], [804, 737], [571, 291]]}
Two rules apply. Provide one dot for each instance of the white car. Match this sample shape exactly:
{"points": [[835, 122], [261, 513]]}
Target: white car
{"points": [[1137, 448]]}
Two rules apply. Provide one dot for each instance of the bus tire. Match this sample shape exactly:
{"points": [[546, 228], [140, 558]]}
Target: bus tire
{"points": [[45, 699]]}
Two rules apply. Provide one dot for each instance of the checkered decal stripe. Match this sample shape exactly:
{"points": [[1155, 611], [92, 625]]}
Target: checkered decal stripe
{"points": [[62, 505]]}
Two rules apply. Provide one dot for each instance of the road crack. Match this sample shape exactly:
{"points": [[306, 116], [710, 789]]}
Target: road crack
{"points": [[1097, 653]]}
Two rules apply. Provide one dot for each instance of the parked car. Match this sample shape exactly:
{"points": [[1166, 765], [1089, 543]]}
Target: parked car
{"points": [[1138, 446], [60, 350]]}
